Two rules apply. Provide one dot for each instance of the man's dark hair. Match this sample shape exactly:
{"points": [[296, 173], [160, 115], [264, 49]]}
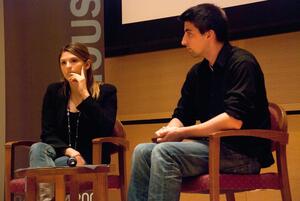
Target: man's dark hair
{"points": [[207, 17]]}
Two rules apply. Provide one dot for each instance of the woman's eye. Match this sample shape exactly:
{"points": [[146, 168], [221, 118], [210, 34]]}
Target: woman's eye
{"points": [[74, 60]]}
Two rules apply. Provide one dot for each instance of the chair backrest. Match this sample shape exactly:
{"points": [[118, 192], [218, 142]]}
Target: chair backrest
{"points": [[278, 120], [278, 117], [119, 130]]}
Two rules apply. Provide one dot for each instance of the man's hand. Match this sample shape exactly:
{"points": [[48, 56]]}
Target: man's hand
{"points": [[168, 134]]}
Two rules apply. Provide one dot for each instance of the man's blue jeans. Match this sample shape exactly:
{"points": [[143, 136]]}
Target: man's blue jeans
{"points": [[158, 169], [44, 155]]}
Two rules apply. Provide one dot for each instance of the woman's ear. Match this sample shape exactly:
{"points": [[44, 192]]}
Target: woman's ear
{"points": [[88, 64]]}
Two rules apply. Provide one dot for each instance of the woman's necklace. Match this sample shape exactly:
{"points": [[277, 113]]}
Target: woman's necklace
{"points": [[69, 129]]}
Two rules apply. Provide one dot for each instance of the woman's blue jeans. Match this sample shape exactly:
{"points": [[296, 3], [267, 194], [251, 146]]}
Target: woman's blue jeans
{"points": [[44, 155], [158, 169]]}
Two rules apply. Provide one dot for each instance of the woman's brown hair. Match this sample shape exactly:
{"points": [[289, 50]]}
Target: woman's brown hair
{"points": [[81, 51]]}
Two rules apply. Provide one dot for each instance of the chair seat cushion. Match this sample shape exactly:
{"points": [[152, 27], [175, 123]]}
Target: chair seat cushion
{"points": [[114, 181], [18, 185], [232, 182]]}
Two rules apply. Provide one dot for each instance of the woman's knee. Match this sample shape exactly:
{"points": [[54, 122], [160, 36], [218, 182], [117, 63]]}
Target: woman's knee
{"points": [[41, 148], [37, 147]]}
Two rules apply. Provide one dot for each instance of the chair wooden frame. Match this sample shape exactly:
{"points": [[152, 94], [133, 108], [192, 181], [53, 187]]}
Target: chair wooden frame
{"points": [[279, 136], [10, 148], [119, 145], [96, 174]]}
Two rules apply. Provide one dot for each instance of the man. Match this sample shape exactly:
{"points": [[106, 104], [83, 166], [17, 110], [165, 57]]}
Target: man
{"points": [[224, 91]]}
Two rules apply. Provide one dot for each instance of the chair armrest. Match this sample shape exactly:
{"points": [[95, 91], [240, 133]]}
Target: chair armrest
{"points": [[12, 144], [97, 146], [10, 150], [214, 147], [119, 141], [10, 155], [277, 136]]}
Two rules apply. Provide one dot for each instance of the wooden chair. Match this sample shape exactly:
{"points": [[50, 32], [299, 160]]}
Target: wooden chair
{"points": [[13, 185], [215, 183], [119, 145]]}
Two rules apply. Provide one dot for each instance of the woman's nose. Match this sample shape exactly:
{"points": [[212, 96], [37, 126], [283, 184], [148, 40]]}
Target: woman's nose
{"points": [[68, 64]]}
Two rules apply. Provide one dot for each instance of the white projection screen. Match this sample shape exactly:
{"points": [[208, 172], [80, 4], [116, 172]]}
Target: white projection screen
{"points": [[143, 10], [133, 26]]}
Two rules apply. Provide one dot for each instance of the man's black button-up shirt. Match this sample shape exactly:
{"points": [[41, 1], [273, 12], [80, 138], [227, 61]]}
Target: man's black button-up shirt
{"points": [[235, 85]]}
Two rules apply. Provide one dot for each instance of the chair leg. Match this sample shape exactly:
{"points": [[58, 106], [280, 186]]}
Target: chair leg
{"points": [[31, 190], [8, 195], [100, 187], [230, 196], [286, 193], [283, 172], [123, 194]]}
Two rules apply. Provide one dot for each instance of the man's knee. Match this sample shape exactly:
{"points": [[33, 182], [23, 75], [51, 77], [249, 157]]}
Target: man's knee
{"points": [[143, 150], [163, 149]]}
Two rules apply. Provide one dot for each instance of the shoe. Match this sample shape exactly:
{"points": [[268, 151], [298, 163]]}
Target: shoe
{"points": [[46, 191]]}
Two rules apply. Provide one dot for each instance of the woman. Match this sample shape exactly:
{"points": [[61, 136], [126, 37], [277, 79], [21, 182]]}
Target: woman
{"points": [[74, 112]]}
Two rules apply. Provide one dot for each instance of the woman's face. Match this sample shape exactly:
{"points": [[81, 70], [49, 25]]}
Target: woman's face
{"points": [[69, 63]]}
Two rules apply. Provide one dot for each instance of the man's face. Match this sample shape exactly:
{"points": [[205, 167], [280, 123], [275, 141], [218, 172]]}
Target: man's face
{"points": [[193, 40]]}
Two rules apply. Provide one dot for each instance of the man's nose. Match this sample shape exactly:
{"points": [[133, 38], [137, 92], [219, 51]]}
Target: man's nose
{"points": [[183, 41]]}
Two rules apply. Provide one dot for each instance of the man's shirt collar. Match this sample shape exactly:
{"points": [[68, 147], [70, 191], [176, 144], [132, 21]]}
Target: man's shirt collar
{"points": [[223, 57]]}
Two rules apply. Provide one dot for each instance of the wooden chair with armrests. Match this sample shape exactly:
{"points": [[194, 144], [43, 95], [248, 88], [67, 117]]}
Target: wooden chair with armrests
{"points": [[215, 183], [13, 185], [119, 145]]}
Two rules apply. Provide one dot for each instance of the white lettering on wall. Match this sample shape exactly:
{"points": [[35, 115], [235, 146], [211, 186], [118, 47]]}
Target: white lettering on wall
{"points": [[86, 196], [80, 10], [83, 10], [87, 23], [97, 53]]}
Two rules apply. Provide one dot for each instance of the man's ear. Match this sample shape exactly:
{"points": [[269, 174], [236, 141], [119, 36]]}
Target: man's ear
{"points": [[210, 34]]}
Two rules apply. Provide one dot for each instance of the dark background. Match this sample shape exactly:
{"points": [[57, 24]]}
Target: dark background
{"points": [[245, 21]]}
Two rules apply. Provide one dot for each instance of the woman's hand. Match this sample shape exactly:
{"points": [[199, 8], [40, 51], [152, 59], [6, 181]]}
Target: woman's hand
{"points": [[80, 160], [78, 83], [70, 152]]}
